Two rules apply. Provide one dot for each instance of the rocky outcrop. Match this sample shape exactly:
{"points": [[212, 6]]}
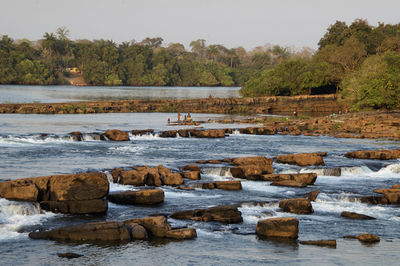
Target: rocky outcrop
{"points": [[302, 159], [296, 205], [251, 168], [258, 130], [278, 228], [76, 194], [308, 178], [76, 136], [356, 216], [141, 132], [224, 214], [320, 243], [112, 231], [144, 175], [376, 155], [116, 135], [196, 133], [146, 196], [191, 168], [228, 185]]}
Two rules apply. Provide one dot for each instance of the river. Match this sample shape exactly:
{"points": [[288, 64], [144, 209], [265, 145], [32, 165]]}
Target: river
{"points": [[37, 145]]}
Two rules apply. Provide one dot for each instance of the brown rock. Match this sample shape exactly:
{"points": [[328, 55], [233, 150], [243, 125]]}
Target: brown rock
{"points": [[76, 136], [312, 196], [133, 177], [255, 160], [224, 214], [136, 231], [278, 228], [84, 186], [100, 231], [377, 155], [321, 243], [172, 179], [392, 195], [296, 205], [168, 134], [288, 183], [210, 133], [192, 167], [228, 185], [397, 186], [20, 190], [115, 173], [368, 238], [182, 233], [95, 206], [208, 185], [357, 216], [373, 200], [157, 226], [193, 175], [116, 135], [301, 159], [251, 172], [148, 196], [141, 132], [308, 178]]}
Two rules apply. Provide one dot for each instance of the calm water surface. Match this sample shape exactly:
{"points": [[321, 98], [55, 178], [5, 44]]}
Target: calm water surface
{"points": [[52, 94], [24, 152]]}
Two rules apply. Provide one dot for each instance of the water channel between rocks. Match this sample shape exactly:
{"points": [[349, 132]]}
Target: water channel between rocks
{"points": [[25, 152]]}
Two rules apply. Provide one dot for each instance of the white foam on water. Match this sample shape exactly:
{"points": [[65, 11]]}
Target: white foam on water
{"points": [[15, 215], [356, 171], [265, 187], [252, 214], [218, 173], [390, 169], [176, 194], [129, 148], [236, 132], [28, 140], [148, 136], [341, 202], [214, 234]]}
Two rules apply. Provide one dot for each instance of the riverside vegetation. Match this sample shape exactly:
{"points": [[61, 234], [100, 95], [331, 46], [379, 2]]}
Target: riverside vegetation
{"points": [[359, 61]]}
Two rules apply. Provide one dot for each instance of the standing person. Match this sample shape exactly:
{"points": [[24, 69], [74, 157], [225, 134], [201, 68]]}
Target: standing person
{"points": [[189, 118], [179, 117], [169, 120]]}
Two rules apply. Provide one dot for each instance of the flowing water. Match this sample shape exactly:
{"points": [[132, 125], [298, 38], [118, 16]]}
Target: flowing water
{"points": [[37, 145]]}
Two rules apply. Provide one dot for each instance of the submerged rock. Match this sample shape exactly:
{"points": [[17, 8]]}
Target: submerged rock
{"points": [[228, 185], [69, 255], [278, 228], [357, 216], [288, 183], [321, 243], [302, 159], [224, 214], [95, 206], [296, 205]]}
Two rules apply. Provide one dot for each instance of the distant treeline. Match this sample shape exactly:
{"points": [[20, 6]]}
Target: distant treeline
{"points": [[145, 63], [359, 61]]}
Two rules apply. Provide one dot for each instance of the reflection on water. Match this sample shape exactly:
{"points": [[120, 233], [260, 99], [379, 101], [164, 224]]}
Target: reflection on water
{"points": [[45, 94]]}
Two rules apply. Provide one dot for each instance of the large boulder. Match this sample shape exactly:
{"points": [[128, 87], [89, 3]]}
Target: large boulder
{"points": [[278, 228], [168, 134], [301, 159], [251, 172], [157, 226], [253, 160], [209, 133], [356, 216], [153, 176], [84, 186], [116, 135], [224, 214], [181, 233], [172, 179], [29, 189], [94, 206], [376, 155], [147, 196], [133, 177], [100, 231], [307, 178], [296, 205], [141, 132]]}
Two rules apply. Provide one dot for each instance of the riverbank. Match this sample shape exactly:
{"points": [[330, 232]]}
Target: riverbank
{"points": [[317, 105]]}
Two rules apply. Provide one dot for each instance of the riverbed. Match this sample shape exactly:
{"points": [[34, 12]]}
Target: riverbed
{"points": [[37, 145]]}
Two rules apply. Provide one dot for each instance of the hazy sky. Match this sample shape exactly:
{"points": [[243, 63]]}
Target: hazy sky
{"points": [[248, 23]]}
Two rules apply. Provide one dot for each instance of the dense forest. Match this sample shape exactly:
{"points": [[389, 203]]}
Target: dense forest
{"points": [[145, 63], [359, 61]]}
